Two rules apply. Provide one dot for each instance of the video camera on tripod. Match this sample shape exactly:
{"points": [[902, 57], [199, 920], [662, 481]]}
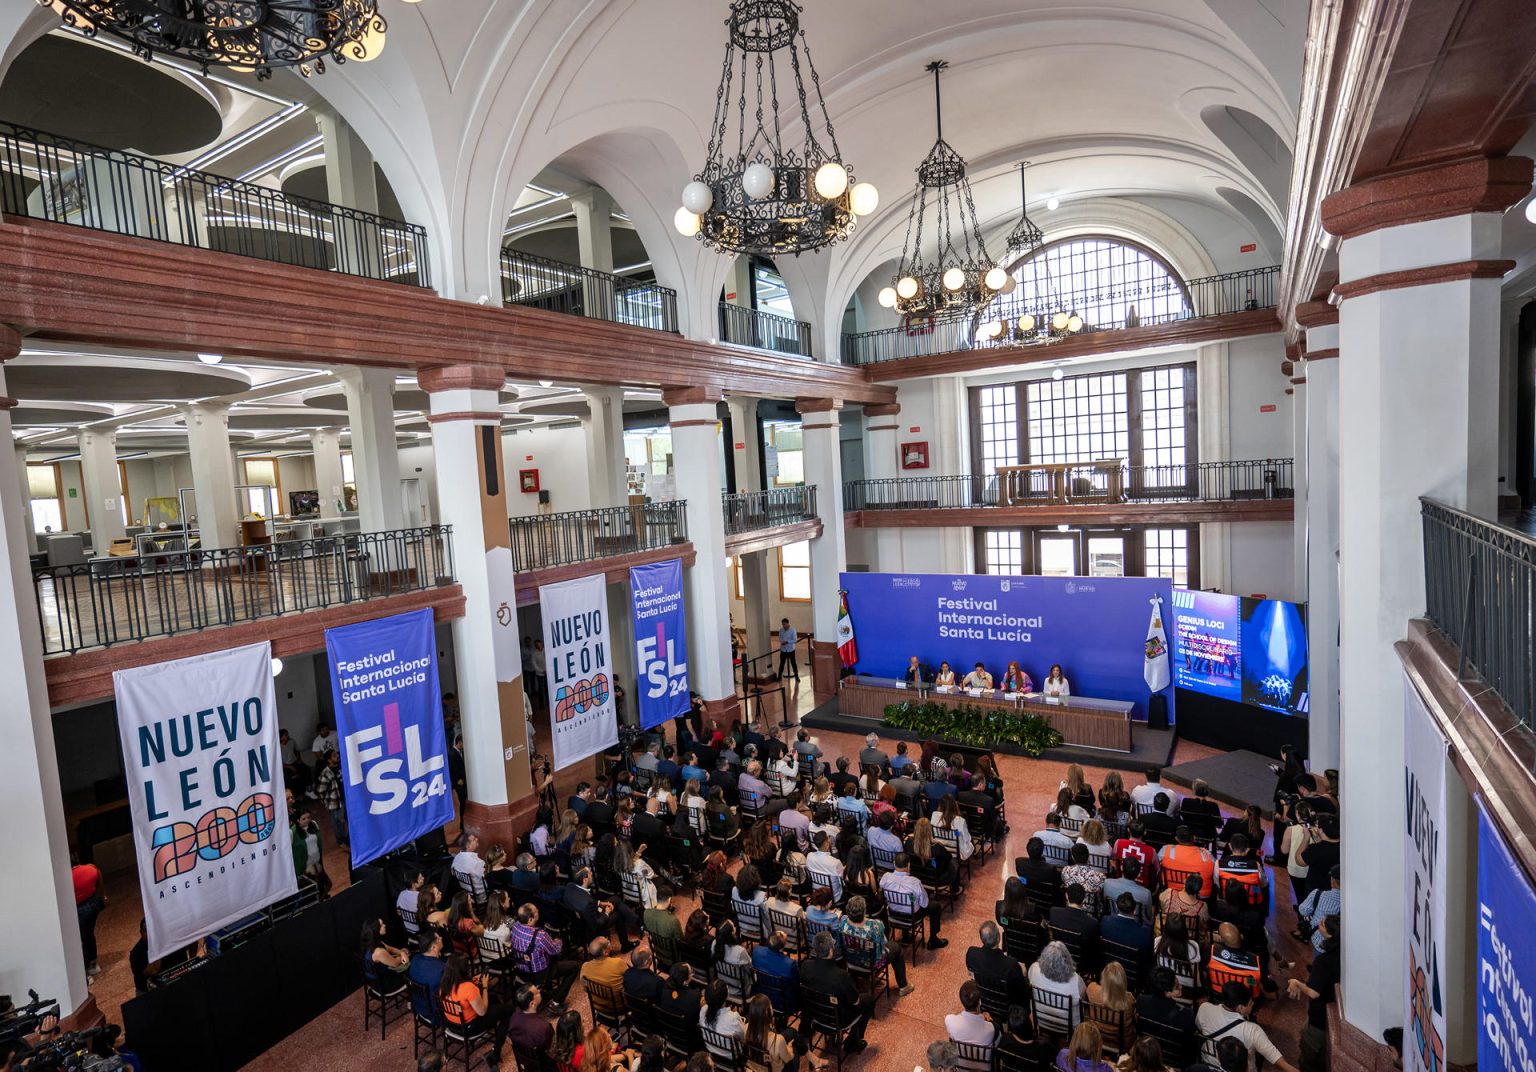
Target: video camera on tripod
{"points": [[20, 1021]]}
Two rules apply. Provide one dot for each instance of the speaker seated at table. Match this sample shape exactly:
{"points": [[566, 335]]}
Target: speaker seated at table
{"points": [[1016, 679], [916, 673], [1056, 687], [978, 678], [945, 678]]}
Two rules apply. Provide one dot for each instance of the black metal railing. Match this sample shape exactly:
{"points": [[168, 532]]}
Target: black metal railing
{"points": [[1480, 591], [1268, 478], [1216, 295], [115, 600], [544, 540], [48, 177], [756, 510], [766, 331], [542, 283]]}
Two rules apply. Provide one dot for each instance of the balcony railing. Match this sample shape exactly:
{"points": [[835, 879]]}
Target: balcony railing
{"points": [[542, 283], [1480, 591], [754, 511], [766, 331], [544, 540], [115, 600], [1078, 484], [48, 177], [1216, 295]]}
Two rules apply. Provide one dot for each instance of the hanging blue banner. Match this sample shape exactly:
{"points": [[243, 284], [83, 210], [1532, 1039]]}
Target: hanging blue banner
{"points": [[661, 642], [1506, 956], [389, 720]]}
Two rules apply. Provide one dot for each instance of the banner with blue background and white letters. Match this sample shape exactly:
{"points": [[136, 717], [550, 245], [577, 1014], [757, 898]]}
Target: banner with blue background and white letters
{"points": [[1506, 957], [1095, 627], [389, 721], [661, 642], [204, 770]]}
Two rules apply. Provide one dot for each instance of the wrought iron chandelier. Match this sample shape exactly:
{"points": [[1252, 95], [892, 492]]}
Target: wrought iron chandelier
{"points": [[243, 35], [761, 197], [961, 278], [1038, 314]]}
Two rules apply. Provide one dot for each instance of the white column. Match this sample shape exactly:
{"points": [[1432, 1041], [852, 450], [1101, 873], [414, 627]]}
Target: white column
{"points": [[43, 932], [594, 228], [103, 488], [213, 475], [1299, 478], [882, 428], [26, 498], [1215, 404], [472, 498], [326, 444], [696, 456], [1322, 576], [824, 470], [375, 454], [349, 176], [747, 465], [1418, 378], [604, 428]]}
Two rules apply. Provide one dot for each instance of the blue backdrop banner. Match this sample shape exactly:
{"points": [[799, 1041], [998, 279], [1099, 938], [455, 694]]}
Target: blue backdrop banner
{"points": [[661, 643], [389, 720], [1506, 957], [1095, 627]]}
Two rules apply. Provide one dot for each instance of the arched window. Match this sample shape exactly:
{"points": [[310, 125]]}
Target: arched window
{"points": [[1108, 282]]}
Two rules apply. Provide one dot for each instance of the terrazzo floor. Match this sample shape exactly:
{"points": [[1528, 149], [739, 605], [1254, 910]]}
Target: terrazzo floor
{"points": [[900, 1033]]}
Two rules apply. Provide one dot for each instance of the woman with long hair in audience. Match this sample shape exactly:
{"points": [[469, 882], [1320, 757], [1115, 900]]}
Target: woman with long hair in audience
{"points": [[1185, 903], [987, 779], [1145, 1055], [717, 1015], [931, 860], [1111, 788], [693, 805], [568, 1046], [1068, 808], [719, 817], [498, 916], [379, 954], [463, 925], [582, 852], [599, 1054], [1251, 823], [697, 935], [565, 831], [624, 816], [1085, 1053], [760, 848], [875, 791], [728, 947], [767, 1050], [959, 777], [1176, 944], [1015, 907], [748, 889], [429, 907], [821, 792], [1110, 990], [792, 865], [947, 817], [860, 879], [652, 1056], [1076, 784]]}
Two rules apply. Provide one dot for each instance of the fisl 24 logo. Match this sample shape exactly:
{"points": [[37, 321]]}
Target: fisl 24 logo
{"points": [[394, 769]]}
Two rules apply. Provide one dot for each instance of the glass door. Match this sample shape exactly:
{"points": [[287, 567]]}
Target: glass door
{"points": [[1056, 554], [1106, 556]]}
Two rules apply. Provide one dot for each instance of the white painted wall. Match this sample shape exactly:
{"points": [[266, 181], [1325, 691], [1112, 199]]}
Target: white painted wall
{"points": [[1254, 382]]}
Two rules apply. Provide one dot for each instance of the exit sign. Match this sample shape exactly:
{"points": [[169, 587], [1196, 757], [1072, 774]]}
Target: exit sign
{"points": [[731, 296], [1268, 407], [1248, 247]]}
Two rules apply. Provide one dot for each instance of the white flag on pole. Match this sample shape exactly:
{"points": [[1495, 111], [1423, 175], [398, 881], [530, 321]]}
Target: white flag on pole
{"points": [[1155, 670]]}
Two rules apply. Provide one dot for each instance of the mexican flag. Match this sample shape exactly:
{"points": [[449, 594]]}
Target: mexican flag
{"points": [[847, 647], [1155, 669]]}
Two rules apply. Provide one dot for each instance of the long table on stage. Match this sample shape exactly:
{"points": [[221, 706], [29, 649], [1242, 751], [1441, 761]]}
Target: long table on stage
{"points": [[1082, 720]]}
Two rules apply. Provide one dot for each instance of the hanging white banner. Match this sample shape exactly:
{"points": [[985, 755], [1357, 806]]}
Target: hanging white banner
{"points": [[1425, 770], [204, 770], [583, 720]]}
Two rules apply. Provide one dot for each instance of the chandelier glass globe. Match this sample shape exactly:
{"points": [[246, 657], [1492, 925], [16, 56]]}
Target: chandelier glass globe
{"points": [[864, 199], [954, 279], [1059, 322], [906, 287], [831, 180], [687, 223], [1074, 323], [996, 279], [698, 197], [888, 297]]}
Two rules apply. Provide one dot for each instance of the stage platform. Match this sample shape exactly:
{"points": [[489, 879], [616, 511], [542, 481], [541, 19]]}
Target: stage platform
{"points": [[1237, 779], [1149, 747]]}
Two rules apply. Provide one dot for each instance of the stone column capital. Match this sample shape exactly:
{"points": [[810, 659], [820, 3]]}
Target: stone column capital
{"points": [[10, 342], [1458, 188], [461, 378], [691, 396], [818, 405]]}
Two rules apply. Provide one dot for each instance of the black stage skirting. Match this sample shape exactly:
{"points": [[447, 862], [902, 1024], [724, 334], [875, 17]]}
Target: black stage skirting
{"points": [[1237, 779], [1149, 747]]}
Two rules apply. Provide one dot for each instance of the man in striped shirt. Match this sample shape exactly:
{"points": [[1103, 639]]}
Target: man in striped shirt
{"points": [[528, 940]]}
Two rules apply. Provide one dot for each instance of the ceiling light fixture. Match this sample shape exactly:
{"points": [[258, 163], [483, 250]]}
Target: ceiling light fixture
{"points": [[762, 197], [210, 359], [1027, 236], [243, 35], [959, 280]]}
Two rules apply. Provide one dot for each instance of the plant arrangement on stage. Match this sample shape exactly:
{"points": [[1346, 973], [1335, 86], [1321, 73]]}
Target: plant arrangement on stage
{"points": [[966, 724]]}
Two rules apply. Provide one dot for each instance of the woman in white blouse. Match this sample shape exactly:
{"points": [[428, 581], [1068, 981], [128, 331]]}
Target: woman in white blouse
{"points": [[945, 678], [948, 817], [1056, 685]]}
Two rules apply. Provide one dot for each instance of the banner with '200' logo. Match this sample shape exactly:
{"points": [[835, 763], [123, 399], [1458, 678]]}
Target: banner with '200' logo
{"points": [[582, 714], [389, 720], [204, 771], [661, 643]]}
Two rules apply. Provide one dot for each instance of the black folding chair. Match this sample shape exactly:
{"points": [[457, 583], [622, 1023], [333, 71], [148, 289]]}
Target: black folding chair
{"points": [[824, 1019], [717, 905], [1023, 939], [820, 880], [727, 1050], [384, 992], [609, 1008], [865, 967], [427, 1017], [749, 920], [1130, 958], [792, 926], [904, 914], [969, 1057], [738, 979], [1056, 1015], [467, 1038], [1118, 1029], [1179, 1045]]}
